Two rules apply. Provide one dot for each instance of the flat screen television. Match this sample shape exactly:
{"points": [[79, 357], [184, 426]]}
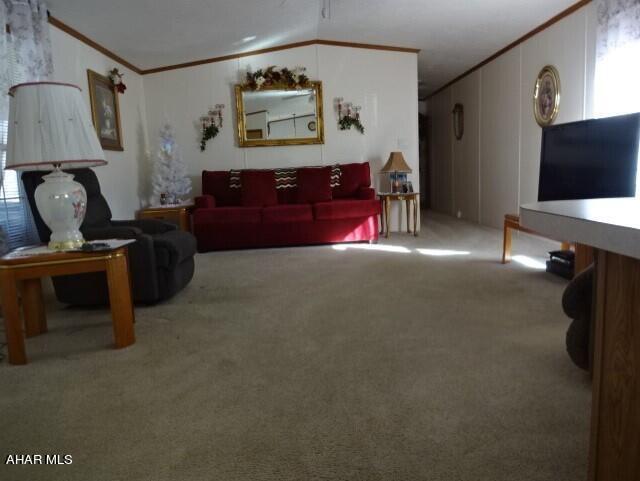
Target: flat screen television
{"points": [[590, 159]]}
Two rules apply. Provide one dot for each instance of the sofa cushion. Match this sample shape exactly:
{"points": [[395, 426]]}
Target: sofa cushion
{"points": [[258, 188], [216, 183], [227, 215], [352, 178], [288, 195], [345, 209], [287, 213], [314, 184], [173, 247]]}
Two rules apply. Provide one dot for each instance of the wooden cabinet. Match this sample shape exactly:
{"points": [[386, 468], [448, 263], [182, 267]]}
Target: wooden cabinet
{"points": [[179, 215]]}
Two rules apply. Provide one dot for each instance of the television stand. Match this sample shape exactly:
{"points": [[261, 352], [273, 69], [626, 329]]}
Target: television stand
{"points": [[512, 222]]}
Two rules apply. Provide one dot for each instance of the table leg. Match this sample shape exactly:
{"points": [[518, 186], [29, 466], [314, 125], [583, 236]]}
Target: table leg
{"points": [[415, 216], [387, 211], [382, 214], [11, 312], [506, 244], [35, 319], [615, 419], [407, 205], [120, 299]]}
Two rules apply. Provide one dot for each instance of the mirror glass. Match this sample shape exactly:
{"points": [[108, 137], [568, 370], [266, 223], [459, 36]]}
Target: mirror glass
{"points": [[280, 117]]}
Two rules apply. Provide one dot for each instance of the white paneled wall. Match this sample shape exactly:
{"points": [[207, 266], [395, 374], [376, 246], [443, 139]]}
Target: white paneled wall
{"points": [[500, 150], [122, 180], [441, 182], [465, 153], [384, 83], [499, 137]]}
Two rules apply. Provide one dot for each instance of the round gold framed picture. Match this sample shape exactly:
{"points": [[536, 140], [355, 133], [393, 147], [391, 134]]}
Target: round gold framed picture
{"points": [[546, 96]]}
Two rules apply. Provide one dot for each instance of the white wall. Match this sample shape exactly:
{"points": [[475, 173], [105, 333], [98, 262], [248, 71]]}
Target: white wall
{"points": [[441, 181], [120, 179], [384, 83], [500, 150], [465, 153]]}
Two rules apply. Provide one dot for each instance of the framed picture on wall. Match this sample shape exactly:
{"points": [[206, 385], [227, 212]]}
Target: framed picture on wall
{"points": [[105, 111], [546, 96]]}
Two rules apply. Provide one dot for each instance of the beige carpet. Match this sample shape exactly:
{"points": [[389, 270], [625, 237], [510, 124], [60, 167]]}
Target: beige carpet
{"points": [[316, 364]]}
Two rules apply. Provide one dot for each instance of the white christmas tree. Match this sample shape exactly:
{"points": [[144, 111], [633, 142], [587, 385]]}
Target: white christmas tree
{"points": [[170, 179]]}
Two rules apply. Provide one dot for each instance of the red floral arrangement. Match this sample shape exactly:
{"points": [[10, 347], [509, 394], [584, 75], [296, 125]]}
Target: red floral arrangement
{"points": [[116, 80]]}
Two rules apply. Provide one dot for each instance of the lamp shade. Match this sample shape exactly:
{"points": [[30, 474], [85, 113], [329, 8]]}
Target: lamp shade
{"points": [[49, 124], [396, 163]]}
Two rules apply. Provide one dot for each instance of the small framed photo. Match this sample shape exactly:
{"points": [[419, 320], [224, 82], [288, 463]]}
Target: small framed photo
{"points": [[105, 111]]}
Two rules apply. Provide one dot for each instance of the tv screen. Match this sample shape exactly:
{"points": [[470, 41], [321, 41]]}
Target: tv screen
{"points": [[590, 159]]}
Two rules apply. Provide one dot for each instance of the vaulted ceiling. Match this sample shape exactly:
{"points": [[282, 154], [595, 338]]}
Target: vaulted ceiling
{"points": [[453, 35]]}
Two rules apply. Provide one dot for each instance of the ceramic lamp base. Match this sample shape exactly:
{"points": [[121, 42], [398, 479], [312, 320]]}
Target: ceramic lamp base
{"points": [[62, 203]]}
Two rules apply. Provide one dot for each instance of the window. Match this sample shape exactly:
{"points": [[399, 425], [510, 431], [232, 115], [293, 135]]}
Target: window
{"points": [[15, 216]]}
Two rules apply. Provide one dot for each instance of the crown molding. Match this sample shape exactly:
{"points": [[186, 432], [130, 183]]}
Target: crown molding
{"points": [[95, 45], [565, 13], [56, 22], [286, 46]]}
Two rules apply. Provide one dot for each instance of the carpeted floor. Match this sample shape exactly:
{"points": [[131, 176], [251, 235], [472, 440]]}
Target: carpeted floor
{"points": [[316, 363]]}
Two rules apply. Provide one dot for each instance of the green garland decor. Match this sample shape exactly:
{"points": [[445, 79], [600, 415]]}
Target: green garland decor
{"points": [[277, 77], [347, 122], [208, 133]]}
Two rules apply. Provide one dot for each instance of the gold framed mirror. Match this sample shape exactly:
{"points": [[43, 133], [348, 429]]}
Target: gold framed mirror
{"points": [[273, 116]]}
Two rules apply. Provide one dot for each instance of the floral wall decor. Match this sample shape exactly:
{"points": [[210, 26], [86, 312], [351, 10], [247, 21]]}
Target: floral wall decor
{"points": [[348, 115], [211, 125], [116, 79], [278, 77]]}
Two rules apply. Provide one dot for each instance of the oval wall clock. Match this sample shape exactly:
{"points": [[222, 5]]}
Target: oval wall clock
{"points": [[546, 96]]}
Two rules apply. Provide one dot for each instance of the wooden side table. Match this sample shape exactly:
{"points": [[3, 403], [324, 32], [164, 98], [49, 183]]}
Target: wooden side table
{"points": [[409, 198], [20, 270], [176, 214]]}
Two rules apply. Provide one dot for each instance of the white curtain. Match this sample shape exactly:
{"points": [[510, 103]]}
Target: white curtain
{"points": [[617, 81], [25, 56]]}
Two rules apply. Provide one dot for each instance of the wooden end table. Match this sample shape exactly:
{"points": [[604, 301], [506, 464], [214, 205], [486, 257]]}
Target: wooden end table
{"points": [[176, 214], [21, 270], [409, 198]]}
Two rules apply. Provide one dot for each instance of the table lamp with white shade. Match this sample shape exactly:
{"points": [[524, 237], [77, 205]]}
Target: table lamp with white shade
{"points": [[50, 128], [396, 164]]}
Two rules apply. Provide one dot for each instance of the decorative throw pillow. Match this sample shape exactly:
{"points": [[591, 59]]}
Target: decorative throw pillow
{"points": [[216, 183], [258, 188], [353, 177], [314, 184]]}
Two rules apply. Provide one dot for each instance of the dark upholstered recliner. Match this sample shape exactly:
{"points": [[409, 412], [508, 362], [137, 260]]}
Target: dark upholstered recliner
{"points": [[161, 259]]}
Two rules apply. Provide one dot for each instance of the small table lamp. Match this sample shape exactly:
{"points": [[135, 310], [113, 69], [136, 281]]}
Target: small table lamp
{"points": [[50, 127], [395, 164]]}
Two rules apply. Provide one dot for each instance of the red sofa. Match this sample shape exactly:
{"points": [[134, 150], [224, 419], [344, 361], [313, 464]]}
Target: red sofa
{"points": [[285, 207]]}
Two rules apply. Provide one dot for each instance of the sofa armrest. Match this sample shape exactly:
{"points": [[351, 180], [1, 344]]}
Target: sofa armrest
{"points": [[147, 226], [97, 233], [205, 201], [366, 193]]}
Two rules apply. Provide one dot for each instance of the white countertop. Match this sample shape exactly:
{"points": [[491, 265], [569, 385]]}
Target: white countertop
{"points": [[609, 224]]}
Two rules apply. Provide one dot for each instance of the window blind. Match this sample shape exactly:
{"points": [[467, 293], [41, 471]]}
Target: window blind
{"points": [[15, 215]]}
